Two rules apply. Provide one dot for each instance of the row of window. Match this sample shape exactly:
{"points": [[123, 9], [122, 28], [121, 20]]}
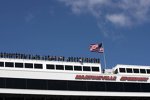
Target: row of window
{"points": [[73, 85], [67, 97], [49, 66], [69, 67], [21, 65], [134, 70]]}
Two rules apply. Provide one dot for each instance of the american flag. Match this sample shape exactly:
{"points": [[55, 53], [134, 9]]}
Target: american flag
{"points": [[96, 48]]}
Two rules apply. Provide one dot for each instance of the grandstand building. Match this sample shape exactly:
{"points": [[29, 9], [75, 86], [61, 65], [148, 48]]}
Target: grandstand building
{"points": [[35, 77]]}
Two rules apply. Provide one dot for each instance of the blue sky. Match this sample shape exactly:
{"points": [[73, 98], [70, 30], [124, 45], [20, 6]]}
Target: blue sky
{"points": [[68, 27]]}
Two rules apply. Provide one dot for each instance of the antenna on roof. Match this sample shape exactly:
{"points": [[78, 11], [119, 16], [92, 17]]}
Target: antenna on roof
{"points": [[104, 56]]}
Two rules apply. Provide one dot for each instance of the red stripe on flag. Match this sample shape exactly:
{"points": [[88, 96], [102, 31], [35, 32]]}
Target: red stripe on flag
{"points": [[96, 48]]}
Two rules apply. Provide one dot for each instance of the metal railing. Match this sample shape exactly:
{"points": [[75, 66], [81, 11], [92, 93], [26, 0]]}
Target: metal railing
{"points": [[49, 58]]}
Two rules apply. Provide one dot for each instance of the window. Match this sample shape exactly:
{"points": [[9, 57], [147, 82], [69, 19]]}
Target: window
{"points": [[86, 68], [131, 87], [116, 71], [48, 66], [122, 70], [9, 64], [59, 67], [145, 87], [78, 68], [57, 85], [38, 66], [2, 82], [67, 67], [19, 65], [148, 71], [28, 65], [114, 86], [15, 83], [136, 70], [129, 70], [42, 84], [77, 85], [142, 71], [95, 69], [36, 84], [1, 64], [96, 86]]}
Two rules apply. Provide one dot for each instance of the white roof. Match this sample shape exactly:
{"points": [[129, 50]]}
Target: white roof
{"points": [[131, 66]]}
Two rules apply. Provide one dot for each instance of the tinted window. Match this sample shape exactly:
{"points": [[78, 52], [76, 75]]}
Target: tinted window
{"points": [[19, 65], [95, 69], [36, 84], [57, 85], [73, 85], [86, 68], [77, 85], [145, 87], [59, 67], [28, 65], [9, 64], [114, 86], [148, 71], [38, 66], [48, 66], [15, 83], [116, 71], [96, 86], [78, 68], [142, 71], [2, 82], [136, 70], [129, 70], [1, 64], [132, 87], [122, 70], [67, 67]]}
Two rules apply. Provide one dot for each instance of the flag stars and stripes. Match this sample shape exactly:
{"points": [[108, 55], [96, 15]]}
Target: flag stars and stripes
{"points": [[96, 48]]}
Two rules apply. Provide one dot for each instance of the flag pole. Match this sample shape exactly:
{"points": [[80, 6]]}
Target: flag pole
{"points": [[104, 56]]}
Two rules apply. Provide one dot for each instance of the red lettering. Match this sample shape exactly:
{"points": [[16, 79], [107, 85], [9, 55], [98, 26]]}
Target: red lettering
{"points": [[133, 78], [91, 77]]}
